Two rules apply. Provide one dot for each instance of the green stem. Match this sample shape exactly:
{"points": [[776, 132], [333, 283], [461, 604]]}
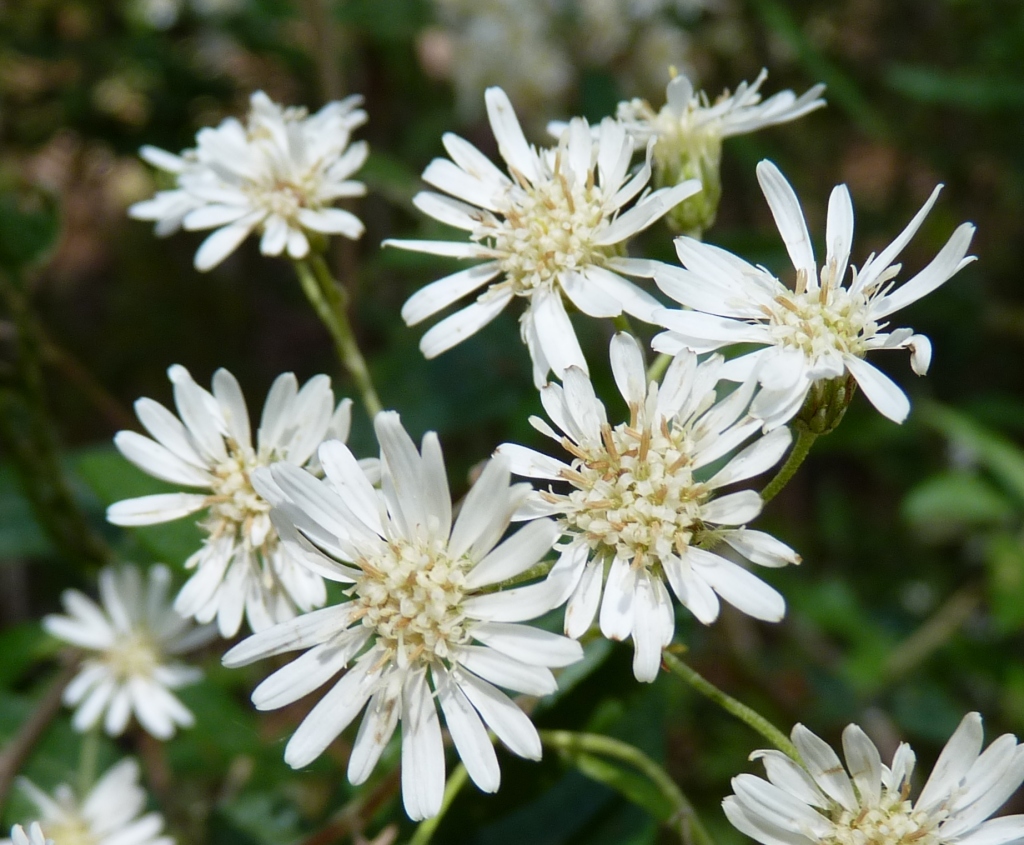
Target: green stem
{"points": [[691, 828], [426, 828], [88, 757], [622, 324], [737, 708], [328, 299], [657, 369], [804, 440]]}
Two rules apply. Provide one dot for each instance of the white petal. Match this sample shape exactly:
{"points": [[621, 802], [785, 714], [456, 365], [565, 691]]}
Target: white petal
{"points": [[880, 390], [589, 298], [531, 464], [582, 607], [616, 618], [438, 295], [509, 134], [375, 731], [824, 766], [463, 323], [422, 749], [332, 221], [162, 507], [505, 671], [514, 556], [839, 230], [223, 242], [555, 332], [760, 548], [511, 725], [738, 586], [451, 249], [789, 218], [956, 758], [864, 764], [733, 509], [628, 369], [528, 644], [468, 733], [159, 461], [758, 457], [306, 673], [302, 632]]}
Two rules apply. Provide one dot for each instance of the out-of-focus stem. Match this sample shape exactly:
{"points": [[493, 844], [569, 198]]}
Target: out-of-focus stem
{"points": [[691, 828], [737, 708], [804, 441], [328, 299], [427, 828], [657, 369], [16, 751]]}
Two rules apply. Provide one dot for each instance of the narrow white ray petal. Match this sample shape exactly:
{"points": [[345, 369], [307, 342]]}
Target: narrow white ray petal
{"points": [[864, 764], [585, 599], [1001, 831], [791, 777], [422, 749], [530, 463], [760, 548], [515, 605], [149, 510], [451, 249], [305, 673], [302, 632], [224, 241], [958, 755], [448, 177], [474, 162], [468, 733], [480, 519], [344, 472], [839, 231], [332, 221], [875, 267], [693, 592], [555, 332], [617, 608], [789, 218], [733, 509], [438, 295], [168, 431], [510, 724], [646, 212], [515, 555], [824, 766], [509, 134], [880, 390], [158, 461], [587, 297], [738, 586], [758, 828], [463, 323], [528, 644], [375, 731], [628, 369]]}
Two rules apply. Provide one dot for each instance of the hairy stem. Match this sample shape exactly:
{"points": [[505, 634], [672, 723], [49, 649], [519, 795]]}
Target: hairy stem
{"points": [[427, 828], [691, 829], [804, 440], [328, 299], [737, 708]]}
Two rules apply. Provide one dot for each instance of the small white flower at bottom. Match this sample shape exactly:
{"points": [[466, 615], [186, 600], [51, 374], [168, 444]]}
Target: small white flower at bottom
{"points": [[424, 623], [112, 813], [640, 507], [129, 645], [868, 803]]}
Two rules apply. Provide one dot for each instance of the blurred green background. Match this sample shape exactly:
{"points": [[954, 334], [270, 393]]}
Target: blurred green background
{"points": [[909, 607]]}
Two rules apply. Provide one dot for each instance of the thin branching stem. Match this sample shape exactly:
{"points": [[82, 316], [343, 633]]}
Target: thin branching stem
{"points": [[328, 299], [691, 829], [804, 441], [737, 708]]}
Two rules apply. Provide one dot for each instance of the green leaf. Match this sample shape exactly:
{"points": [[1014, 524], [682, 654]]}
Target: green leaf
{"points": [[20, 534], [945, 505], [625, 780], [1000, 456], [1004, 560], [963, 90], [29, 225]]}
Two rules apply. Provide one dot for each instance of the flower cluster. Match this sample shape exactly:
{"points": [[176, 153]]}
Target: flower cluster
{"points": [[278, 174]]}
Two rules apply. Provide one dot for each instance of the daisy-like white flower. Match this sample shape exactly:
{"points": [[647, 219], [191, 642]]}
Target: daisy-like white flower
{"points": [[639, 512], [555, 227], [818, 330], [112, 813], [35, 836], [868, 803], [241, 567], [689, 131], [277, 174], [130, 644], [425, 621]]}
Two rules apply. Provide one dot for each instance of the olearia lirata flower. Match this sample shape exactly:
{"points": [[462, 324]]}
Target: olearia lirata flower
{"points": [[424, 624], [130, 644], [241, 567], [277, 174], [639, 513], [820, 329], [111, 813], [554, 228], [867, 802]]}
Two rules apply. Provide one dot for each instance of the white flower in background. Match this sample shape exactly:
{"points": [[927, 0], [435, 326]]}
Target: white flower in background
{"points": [[868, 803], [241, 567], [112, 813], [555, 228], [639, 511], [130, 643], [688, 132], [820, 329], [35, 836], [278, 174], [690, 122], [424, 621]]}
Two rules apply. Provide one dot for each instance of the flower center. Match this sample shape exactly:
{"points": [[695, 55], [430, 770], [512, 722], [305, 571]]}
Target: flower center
{"points": [[235, 505], [134, 655], [70, 830], [635, 494], [547, 229], [411, 596], [821, 322], [892, 822]]}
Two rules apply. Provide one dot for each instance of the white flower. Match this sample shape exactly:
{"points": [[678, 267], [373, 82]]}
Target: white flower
{"points": [[868, 803], [819, 330], [424, 621], [553, 229], [112, 813], [35, 836], [241, 566], [639, 511], [688, 121], [129, 645], [278, 174]]}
